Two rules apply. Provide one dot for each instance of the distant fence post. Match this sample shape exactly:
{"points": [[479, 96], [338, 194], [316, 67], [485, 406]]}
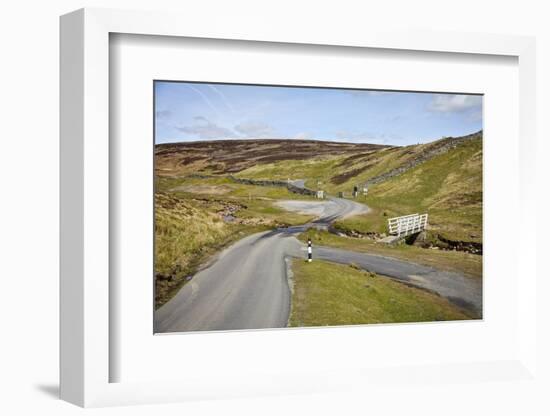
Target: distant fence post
{"points": [[309, 250]]}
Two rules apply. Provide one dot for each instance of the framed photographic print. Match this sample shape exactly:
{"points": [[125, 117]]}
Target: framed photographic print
{"points": [[327, 200], [274, 208]]}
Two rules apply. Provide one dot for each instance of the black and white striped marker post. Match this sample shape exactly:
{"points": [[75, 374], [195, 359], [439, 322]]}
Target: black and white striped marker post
{"points": [[309, 251]]}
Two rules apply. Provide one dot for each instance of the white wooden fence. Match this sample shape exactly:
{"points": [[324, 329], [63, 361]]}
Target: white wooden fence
{"points": [[408, 224]]}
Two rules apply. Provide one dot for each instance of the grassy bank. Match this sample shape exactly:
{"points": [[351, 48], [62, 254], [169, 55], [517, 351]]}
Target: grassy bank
{"points": [[333, 294], [338, 172], [375, 221], [448, 187], [456, 261]]}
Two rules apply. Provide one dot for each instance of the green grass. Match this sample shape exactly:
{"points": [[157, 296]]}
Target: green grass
{"points": [[326, 169], [312, 170], [254, 201], [377, 164], [375, 221], [455, 261], [448, 187], [333, 294], [265, 211], [224, 187]]}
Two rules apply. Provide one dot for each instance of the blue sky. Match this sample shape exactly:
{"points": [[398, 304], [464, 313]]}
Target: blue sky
{"points": [[199, 111]]}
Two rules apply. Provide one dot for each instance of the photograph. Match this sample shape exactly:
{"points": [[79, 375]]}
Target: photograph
{"points": [[282, 206]]}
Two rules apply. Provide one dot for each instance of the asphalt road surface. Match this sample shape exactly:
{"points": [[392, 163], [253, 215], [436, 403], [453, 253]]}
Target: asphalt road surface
{"points": [[246, 287]]}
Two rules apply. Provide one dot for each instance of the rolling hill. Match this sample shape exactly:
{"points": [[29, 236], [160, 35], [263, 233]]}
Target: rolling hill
{"points": [[443, 177], [231, 156]]}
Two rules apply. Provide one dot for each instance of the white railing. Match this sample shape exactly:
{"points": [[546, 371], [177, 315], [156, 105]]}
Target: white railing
{"points": [[408, 224]]}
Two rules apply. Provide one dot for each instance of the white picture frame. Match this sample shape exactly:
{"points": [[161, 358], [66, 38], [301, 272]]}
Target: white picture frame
{"points": [[85, 220]]}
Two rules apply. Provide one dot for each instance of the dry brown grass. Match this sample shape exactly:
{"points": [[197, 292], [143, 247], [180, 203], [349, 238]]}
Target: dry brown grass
{"points": [[231, 156]]}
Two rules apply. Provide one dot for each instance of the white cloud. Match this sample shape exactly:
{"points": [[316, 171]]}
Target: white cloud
{"points": [[453, 103], [205, 129], [251, 129]]}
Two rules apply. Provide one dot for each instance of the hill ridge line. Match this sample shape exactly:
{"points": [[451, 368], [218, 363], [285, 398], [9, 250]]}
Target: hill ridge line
{"points": [[436, 148]]}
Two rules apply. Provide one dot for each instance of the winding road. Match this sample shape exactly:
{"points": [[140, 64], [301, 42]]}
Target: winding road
{"points": [[246, 287]]}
